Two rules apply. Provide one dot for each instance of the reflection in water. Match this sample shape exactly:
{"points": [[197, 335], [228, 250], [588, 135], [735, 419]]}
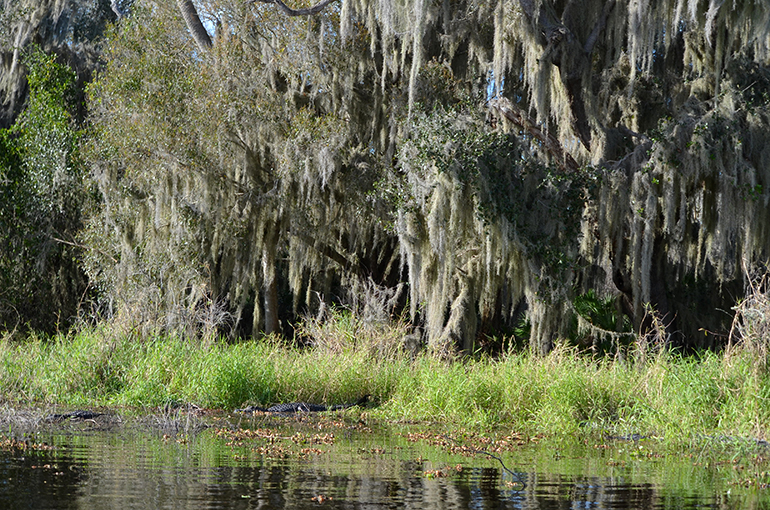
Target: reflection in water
{"points": [[138, 469], [35, 480]]}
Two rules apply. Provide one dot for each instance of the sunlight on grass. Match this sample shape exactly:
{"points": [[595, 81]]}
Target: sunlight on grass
{"points": [[678, 399]]}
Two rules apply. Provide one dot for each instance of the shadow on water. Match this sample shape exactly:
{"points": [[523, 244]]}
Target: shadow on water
{"points": [[278, 462]]}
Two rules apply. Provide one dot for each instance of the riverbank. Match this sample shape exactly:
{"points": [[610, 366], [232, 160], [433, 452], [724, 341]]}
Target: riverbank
{"points": [[680, 400]]}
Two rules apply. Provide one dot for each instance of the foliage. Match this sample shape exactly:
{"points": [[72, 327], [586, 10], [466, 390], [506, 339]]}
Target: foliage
{"points": [[70, 29], [44, 198], [484, 226], [678, 400], [600, 323]]}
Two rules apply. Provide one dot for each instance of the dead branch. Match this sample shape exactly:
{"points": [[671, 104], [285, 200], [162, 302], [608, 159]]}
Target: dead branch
{"points": [[515, 114]]}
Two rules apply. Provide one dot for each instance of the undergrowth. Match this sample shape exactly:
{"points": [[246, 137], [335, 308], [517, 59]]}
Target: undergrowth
{"points": [[678, 399]]}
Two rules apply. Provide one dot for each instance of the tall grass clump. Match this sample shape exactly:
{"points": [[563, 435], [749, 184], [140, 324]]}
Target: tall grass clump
{"points": [[344, 354], [746, 364], [573, 394], [750, 335], [561, 393], [438, 390], [342, 359]]}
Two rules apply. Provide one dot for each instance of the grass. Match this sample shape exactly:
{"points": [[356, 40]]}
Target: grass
{"points": [[682, 400]]}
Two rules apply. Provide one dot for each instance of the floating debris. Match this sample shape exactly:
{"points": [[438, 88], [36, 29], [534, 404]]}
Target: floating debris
{"points": [[13, 444]]}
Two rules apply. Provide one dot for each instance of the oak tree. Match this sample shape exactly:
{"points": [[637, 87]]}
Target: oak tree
{"points": [[509, 161]]}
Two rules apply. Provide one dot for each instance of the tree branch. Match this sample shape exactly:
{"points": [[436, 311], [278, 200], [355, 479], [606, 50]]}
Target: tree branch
{"points": [[202, 37], [598, 28], [545, 23], [514, 114], [115, 5], [329, 252], [307, 11]]}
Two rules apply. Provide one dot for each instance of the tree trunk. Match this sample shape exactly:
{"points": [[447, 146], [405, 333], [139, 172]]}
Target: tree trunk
{"points": [[270, 282], [194, 24], [272, 324]]}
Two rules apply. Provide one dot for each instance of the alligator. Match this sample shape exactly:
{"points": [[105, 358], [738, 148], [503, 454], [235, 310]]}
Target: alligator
{"points": [[302, 407], [74, 415]]}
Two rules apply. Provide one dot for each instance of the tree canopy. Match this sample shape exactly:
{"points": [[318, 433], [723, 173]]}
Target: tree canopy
{"points": [[543, 167]]}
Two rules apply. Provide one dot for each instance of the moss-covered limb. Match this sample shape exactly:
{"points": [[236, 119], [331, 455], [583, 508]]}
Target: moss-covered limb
{"points": [[563, 394]]}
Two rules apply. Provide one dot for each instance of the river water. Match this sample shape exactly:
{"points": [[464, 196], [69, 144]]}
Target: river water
{"points": [[310, 462]]}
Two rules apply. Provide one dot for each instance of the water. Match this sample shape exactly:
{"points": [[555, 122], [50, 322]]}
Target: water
{"points": [[322, 462]]}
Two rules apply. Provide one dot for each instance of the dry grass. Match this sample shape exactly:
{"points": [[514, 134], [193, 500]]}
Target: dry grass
{"points": [[750, 333], [338, 331]]}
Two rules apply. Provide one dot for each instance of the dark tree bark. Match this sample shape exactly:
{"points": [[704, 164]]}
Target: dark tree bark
{"points": [[270, 282]]}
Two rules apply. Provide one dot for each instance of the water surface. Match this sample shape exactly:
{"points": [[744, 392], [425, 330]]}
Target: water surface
{"points": [[282, 462]]}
